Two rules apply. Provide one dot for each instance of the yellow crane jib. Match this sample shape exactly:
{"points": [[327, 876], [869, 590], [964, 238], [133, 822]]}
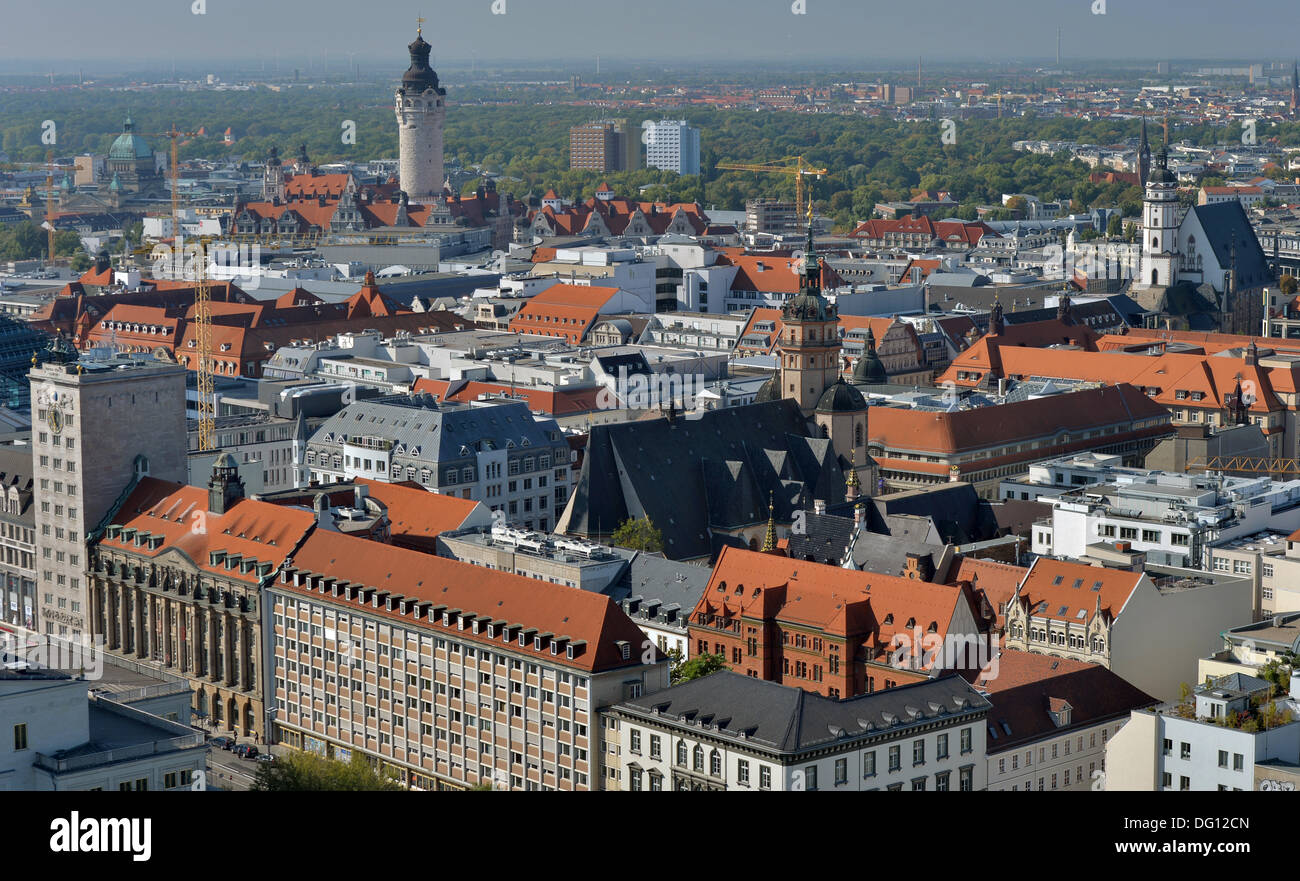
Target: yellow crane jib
{"points": [[799, 170]]}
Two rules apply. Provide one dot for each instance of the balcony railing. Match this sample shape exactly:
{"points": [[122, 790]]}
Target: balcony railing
{"points": [[122, 754]]}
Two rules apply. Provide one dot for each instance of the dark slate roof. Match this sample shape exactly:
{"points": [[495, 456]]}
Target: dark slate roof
{"points": [[690, 476], [634, 362], [789, 720], [887, 555], [656, 586], [841, 398], [1224, 221], [1103, 310], [824, 539], [16, 471], [827, 538], [958, 513]]}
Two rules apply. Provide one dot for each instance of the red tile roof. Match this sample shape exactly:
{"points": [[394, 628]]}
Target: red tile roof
{"points": [[416, 515], [556, 402], [565, 612], [997, 581], [562, 310], [840, 602], [950, 433], [1029, 687], [252, 529], [1055, 585]]}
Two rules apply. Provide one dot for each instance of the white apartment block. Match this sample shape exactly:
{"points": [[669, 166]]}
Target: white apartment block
{"points": [[1187, 748], [1173, 518], [672, 145], [53, 736]]}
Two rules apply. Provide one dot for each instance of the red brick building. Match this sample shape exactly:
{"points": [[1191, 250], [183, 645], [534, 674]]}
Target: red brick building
{"points": [[837, 632]]}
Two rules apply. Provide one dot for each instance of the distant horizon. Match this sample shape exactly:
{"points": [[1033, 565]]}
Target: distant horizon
{"points": [[570, 33], [371, 72]]}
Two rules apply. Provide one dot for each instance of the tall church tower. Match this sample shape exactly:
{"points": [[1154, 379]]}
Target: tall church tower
{"points": [[1160, 225], [810, 341], [1295, 90], [273, 178], [421, 108], [1144, 156]]}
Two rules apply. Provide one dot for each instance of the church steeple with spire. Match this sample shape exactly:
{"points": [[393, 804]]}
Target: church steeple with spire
{"points": [[1144, 155], [1295, 90], [809, 348]]}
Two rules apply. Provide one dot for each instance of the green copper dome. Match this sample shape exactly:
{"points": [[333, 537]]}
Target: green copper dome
{"points": [[129, 145]]}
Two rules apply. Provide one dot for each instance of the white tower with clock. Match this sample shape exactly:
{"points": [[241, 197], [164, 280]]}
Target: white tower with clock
{"points": [[421, 108], [1159, 226], [95, 426]]}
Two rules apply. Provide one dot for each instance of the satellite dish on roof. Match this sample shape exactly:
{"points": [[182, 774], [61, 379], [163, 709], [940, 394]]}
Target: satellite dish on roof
{"points": [[797, 256]]}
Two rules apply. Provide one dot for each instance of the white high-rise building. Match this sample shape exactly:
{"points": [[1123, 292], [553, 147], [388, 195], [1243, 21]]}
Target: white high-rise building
{"points": [[672, 145], [421, 108], [96, 426]]}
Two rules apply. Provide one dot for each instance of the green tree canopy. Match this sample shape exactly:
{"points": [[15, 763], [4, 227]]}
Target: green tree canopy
{"points": [[308, 772], [638, 535], [700, 665]]}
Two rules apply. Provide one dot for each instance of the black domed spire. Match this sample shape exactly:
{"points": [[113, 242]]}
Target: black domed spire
{"points": [[420, 76]]}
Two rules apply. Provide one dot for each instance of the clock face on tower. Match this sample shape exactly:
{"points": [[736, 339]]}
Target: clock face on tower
{"points": [[54, 406]]}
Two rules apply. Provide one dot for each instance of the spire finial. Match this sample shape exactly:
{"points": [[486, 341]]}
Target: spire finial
{"points": [[769, 540], [419, 26]]}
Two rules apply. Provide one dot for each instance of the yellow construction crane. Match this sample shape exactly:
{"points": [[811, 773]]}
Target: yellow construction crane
{"points": [[1246, 465], [203, 334], [175, 137], [202, 304], [800, 170]]}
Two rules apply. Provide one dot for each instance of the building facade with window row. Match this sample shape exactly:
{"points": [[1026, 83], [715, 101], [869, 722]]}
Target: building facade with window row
{"points": [[497, 453], [450, 675], [728, 732]]}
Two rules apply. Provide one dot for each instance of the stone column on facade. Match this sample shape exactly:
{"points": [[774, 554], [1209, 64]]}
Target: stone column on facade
{"points": [[110, 631], [229, 647], [241, 640], [212, 645], [186, 638], [124, 617], [151, 624], [140, 622], [168, 653], [97, 610]]}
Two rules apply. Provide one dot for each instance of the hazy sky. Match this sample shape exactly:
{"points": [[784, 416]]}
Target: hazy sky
{"points": [[82, 32]]}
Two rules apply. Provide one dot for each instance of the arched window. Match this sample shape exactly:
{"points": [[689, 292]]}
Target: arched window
{"points": [[715, 764], [857, 435], [681, 753], [1155, 276], [697, 758]]}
